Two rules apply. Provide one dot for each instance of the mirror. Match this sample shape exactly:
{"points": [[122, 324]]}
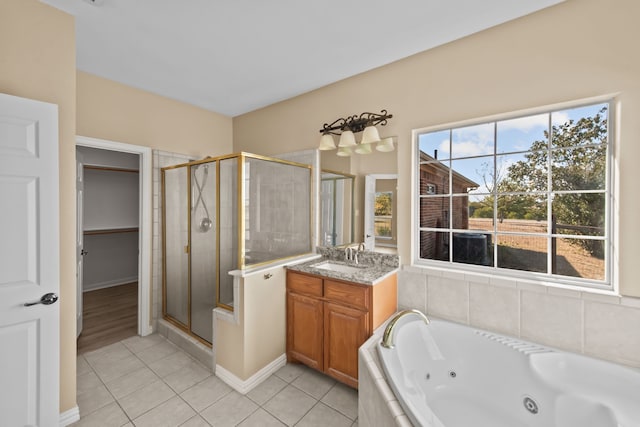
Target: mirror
{"points": [[336, 208], [380, 213]]}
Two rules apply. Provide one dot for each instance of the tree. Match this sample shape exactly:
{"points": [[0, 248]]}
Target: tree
{"points": [[578, 162], [383, 204], [508, 206]]}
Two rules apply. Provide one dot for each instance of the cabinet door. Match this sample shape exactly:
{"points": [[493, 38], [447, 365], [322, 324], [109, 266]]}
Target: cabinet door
{"points": [[345, 330], [304, 330]]}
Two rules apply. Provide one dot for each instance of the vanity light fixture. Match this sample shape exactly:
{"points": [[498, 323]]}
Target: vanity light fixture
{"points": [[347, 128]]}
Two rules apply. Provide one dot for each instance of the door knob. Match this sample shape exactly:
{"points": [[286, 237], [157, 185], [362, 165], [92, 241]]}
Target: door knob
{"points": [[47, 299], [83, 252]]}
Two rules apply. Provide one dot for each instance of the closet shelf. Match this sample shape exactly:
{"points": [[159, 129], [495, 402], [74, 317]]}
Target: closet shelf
{"points": [[110, 168], [110, 231]]}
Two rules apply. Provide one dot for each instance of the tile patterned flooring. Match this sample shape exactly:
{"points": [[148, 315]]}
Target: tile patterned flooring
{"points": [[148, 381]]}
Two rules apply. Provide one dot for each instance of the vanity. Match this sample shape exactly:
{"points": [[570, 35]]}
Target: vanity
{"points": [[333, 307]]}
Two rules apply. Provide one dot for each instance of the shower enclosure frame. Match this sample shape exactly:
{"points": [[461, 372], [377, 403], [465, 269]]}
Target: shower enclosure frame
{"points": [[241, 261]]}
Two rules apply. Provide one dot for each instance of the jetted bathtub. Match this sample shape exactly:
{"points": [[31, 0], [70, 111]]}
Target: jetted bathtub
{"points": [[449, 375]]}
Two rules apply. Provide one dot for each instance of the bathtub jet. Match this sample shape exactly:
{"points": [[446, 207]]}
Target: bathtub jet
{"points": [[449, 375]]}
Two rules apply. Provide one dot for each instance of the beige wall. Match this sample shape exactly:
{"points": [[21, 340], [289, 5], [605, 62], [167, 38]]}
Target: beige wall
{"points": [[572, 51], [264, 318], [116, 112], [37, 61], [259, 337], [575, 50]]}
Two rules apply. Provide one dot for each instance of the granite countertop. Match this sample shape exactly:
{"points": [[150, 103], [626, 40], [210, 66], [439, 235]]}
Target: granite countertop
{"points": [[372, 268]]}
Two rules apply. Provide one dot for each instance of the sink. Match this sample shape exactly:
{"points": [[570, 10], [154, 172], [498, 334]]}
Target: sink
{"points": [[340, 268]]}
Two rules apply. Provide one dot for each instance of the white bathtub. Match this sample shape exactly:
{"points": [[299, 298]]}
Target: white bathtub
{"points": [[448, 375]]}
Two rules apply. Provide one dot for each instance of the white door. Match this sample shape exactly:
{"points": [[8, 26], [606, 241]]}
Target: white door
{"points": [[80, 252], [369, 212], [29, 263]]}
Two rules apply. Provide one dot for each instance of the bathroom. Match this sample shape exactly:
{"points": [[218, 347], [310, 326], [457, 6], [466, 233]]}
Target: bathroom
{"points": [[440, 86]]}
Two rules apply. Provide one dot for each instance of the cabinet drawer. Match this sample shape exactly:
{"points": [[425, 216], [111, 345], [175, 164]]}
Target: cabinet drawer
{"points": [[353, 295], [304, 284]]}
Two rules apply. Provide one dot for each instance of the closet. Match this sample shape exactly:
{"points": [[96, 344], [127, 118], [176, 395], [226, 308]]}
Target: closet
{"points": [[108, 203]]}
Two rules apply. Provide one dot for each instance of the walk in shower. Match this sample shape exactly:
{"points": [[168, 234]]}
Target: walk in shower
{"points": [[222, 214]]}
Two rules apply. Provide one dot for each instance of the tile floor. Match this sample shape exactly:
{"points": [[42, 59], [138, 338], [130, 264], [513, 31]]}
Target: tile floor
{"points": [[148, 381]]}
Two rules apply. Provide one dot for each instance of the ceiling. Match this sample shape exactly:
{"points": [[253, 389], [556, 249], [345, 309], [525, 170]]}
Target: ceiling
{"points": [[235, 56]]}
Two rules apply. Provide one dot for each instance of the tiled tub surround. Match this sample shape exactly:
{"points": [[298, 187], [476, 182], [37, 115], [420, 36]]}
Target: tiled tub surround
{"points": [[597, 325], [377, 405], [439, 368], [374, 266]]}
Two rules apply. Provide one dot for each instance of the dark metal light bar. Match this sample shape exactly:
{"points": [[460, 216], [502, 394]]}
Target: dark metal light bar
{"points": [[355, 123]]}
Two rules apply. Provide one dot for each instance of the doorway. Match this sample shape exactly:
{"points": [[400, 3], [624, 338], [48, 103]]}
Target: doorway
{"points": [[380, 216], [114, 239]]}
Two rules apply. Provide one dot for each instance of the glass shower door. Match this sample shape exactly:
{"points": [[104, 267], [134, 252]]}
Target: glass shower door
{"points": [[176, 243], [203, 249], [228, 226]]}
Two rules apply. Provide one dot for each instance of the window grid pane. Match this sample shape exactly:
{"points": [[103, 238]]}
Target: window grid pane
{"points": [[528, 193]]}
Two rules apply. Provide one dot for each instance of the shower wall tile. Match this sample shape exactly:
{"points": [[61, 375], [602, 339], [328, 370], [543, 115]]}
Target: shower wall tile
{"points": [[612, 332], [160, 159], [552, 320], [602, 326], [504, 283], [448, 299], [564, 292], [414, 290], [611, 299], [454, 275], [494, 308], [531, 287], [630, 302]]}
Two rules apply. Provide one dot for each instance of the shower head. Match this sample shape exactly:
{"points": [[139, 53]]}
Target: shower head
{"points": [[205, 225]]}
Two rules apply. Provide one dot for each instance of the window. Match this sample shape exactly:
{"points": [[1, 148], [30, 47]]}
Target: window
{"points": [[522, 195], [383, 215]]}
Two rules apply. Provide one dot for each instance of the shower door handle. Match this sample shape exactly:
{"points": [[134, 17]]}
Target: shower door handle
{"points": [[47, 299]]}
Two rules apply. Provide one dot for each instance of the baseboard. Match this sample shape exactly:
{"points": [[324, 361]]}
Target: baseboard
{"points": [[88, 287], [70, 416], [245, 386]]}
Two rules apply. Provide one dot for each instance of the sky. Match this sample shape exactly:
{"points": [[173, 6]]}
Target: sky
{"points": [[469, 150]]}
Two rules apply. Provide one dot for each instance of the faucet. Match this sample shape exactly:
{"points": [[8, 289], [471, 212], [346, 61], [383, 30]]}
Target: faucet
{"points": [[387, 337], [350, 254]]}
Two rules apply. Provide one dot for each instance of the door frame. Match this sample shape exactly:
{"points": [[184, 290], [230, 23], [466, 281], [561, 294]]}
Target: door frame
{"points": [[145, 221]]}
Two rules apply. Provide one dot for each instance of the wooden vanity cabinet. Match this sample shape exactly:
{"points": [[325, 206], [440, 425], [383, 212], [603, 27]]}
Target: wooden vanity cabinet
{"points": [[328, 320], [304, 342]]}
